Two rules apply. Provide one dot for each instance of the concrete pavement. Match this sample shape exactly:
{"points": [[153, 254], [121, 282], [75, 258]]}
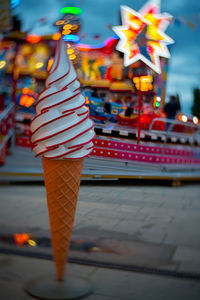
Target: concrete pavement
{"points": [[132, 225], [16, 271]]}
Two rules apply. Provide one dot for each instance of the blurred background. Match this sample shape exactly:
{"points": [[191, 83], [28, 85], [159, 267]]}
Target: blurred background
{"points": [[138, 208]]}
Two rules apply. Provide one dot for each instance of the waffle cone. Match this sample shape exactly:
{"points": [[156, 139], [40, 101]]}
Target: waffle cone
{"points": [[62, 180]]}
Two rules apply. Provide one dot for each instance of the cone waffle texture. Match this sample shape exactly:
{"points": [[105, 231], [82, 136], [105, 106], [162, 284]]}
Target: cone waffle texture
{"points": [[62, 180]]}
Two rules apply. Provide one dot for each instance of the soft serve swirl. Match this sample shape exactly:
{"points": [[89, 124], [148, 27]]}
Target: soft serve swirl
{"points": [[61, 128]]}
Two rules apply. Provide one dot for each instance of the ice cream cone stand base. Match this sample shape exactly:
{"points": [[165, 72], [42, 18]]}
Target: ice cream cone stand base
{"points": [[49, 288]]}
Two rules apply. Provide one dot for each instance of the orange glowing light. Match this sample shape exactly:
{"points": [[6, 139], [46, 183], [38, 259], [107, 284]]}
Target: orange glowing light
{"points": [[56, 36], [22, 100], [67, 26], [33, 38], [21, 238], [50, 63], [183, 118], [147, 78], [74, 27], [60, 22], [26, 100], [66, 31], [143, 83], [25, 90], [31, 92], [87, 101], [30, 101]]}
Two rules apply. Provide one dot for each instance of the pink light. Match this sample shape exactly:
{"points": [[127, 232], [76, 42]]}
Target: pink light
{"points": [[86, 47]]}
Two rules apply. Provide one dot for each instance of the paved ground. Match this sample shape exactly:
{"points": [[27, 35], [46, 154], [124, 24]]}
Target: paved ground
{"points": [[15, 272], [149, 226]]}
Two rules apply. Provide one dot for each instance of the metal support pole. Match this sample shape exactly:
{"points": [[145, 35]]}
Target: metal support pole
{"points": [[15, 75], [139, 113]]}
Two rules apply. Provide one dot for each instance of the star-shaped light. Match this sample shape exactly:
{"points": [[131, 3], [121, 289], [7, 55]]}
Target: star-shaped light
{"points": [[142, 35]]}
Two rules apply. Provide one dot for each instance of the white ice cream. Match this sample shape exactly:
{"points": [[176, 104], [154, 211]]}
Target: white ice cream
{"points": [[61, 128]]}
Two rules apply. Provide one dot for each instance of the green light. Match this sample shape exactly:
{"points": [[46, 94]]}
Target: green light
{"points": [[157, 104], [70, 10]]}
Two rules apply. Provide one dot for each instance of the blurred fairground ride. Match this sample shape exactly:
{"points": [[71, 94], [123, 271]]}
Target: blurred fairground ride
{"points": [[125, 96]]}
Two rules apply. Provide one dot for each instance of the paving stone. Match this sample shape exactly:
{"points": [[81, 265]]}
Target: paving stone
{"points": [[96, 221], [187, 254], [98, 205], [111, 213], [152, 232], [127, 226], [138, 286], [182, 235], [12, 290], [159, 218], [189, 266], [128, 208]]}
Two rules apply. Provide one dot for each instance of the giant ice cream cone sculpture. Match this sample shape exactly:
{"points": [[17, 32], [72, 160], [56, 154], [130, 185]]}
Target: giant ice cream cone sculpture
{"points": [[62, 135]]}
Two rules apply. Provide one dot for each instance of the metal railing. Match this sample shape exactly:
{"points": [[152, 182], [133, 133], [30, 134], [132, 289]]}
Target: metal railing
{"points": [[5, 113], [192, 130], [11, 132]]}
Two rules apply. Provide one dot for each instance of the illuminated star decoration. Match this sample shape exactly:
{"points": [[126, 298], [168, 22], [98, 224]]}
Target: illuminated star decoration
{"points": [[142, 35]]}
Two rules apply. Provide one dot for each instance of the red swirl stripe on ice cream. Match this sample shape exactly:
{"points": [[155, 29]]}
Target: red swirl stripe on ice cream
{"points": [[61, 128]]}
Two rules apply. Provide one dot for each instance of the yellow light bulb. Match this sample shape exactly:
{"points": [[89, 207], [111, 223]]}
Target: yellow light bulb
{"points": [[67, 26], [66, 31], [74, 27], [70, 51], [2, 64], [72, 56], [32, 243], [60, 22], [39, 65]]}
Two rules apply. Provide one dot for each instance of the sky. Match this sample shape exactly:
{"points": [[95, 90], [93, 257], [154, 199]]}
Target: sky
{"points": [[184, 64]]}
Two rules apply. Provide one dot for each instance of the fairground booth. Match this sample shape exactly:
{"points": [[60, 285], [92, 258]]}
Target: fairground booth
{"points": [[123, 80]]}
